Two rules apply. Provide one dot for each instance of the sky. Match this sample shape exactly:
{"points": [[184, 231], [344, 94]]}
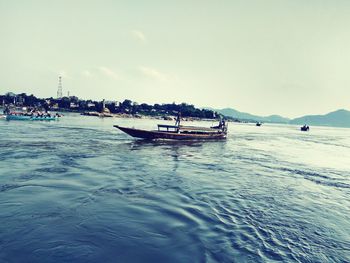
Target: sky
{"points": [[287, 57]]}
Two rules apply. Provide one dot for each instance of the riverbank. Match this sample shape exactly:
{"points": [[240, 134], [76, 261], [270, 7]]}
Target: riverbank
{"points": [[107, 114]]}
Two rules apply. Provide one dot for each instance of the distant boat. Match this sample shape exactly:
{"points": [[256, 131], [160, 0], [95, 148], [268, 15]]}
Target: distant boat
{"points": [[258, 124], [305, 128], [179, 132]]}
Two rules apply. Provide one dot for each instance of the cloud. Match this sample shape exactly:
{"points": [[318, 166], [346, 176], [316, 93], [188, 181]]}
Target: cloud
{"points": [[154, 74], [86, 73], [109, 72], [139, 36]]}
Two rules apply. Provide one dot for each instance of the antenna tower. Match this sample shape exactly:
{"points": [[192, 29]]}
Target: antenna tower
{"points": [[59, 89]]}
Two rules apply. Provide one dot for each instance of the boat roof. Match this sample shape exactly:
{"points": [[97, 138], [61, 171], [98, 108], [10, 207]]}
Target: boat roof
{"points": [[194, 128]]}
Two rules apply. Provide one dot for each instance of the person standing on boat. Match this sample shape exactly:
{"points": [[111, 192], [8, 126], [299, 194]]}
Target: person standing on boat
{"points": [[178, 119], [223, 123]]}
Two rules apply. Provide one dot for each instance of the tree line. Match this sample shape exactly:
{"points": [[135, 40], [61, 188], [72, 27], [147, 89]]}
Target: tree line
{"points": [[73, 103]]}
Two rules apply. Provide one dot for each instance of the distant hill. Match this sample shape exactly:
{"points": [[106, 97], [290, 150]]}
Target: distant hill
{"points": [[247, 116], [339, 118]]}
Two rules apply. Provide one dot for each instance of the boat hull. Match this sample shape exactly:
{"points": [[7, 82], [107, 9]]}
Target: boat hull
{"points": [[29, 118], [154, 135]]}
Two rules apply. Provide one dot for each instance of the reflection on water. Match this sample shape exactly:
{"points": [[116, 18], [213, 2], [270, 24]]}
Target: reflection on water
{"points": [[79, 190], [178, 150]]}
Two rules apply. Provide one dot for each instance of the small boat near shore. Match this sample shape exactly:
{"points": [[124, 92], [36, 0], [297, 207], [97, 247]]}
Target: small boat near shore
{"points": [[178, 132], [26, 114], [30, 118]]}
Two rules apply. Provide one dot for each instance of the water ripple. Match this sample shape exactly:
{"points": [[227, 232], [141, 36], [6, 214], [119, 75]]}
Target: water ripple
{"points": [[78, 190]]}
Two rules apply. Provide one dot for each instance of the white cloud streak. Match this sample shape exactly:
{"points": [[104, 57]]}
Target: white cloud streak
{"points": [[109, 72], [154, 74], [86, 73], [139, 36]]}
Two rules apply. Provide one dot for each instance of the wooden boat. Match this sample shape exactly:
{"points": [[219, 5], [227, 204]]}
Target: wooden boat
{"points": [[258, 124], [178, 132], [30, 118]]}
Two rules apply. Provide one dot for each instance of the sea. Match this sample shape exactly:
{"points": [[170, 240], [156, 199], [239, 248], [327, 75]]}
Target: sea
{"points": [[79, 190]]}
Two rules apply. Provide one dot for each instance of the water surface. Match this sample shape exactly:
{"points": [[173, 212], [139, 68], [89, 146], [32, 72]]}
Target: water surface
{"points": [[78, 190]]}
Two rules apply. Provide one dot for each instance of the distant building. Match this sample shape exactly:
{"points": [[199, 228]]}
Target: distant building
{"points": [[73, 105], [91, 105], [55, 106], [109, 102], [20, 100]]}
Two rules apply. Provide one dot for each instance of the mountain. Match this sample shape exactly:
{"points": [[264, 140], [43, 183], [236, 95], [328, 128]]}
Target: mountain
{"points": [[339, 118], [247, 116]]}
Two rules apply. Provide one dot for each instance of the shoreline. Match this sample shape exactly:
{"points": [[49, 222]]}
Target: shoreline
{"points": [[124, 115], [140, 116]]}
